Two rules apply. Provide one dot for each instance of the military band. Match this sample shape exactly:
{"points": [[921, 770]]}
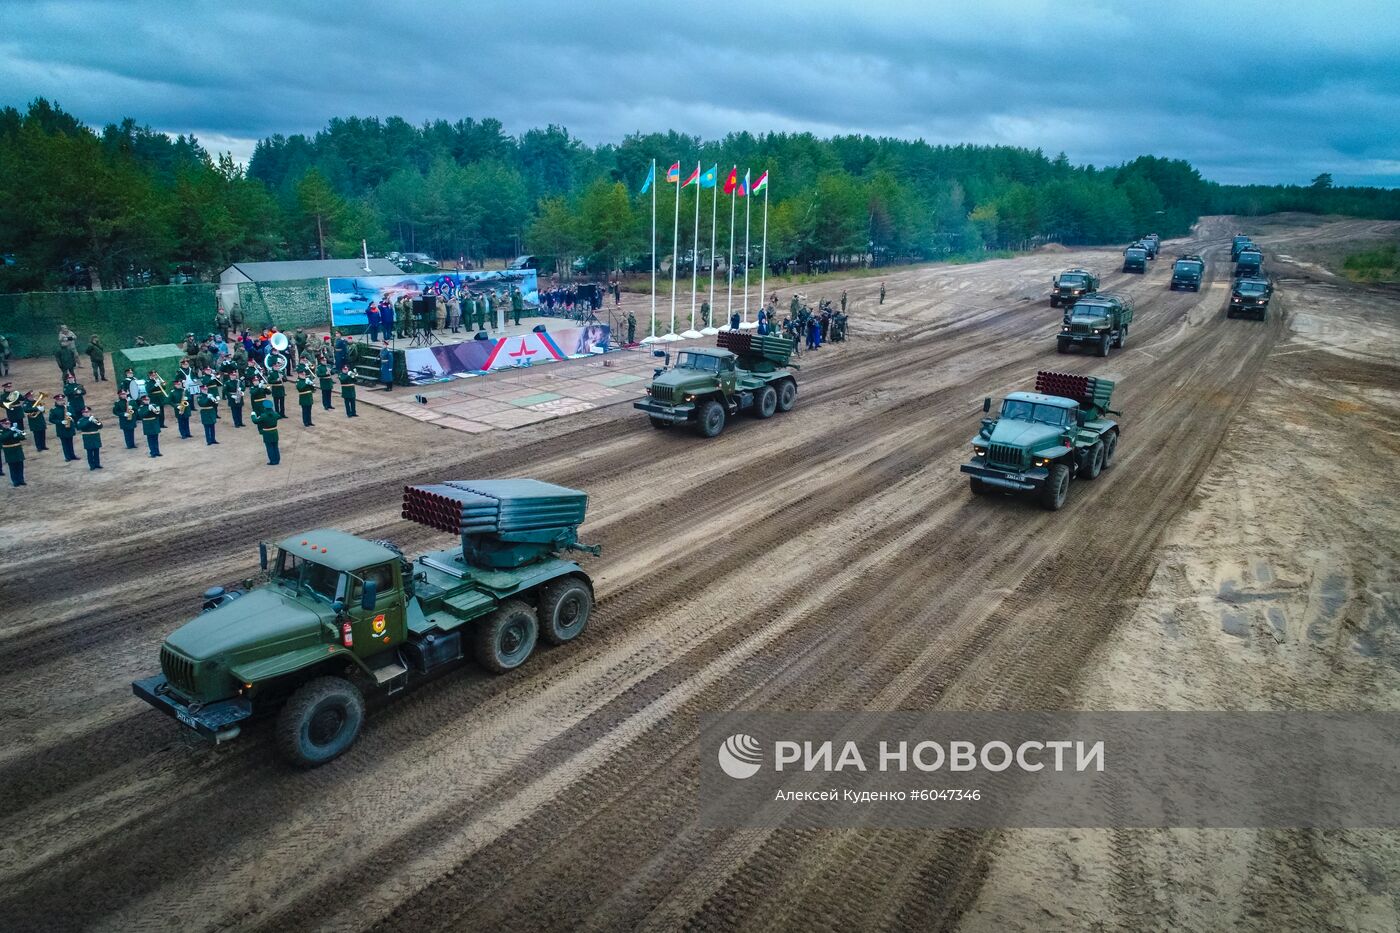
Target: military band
{"points": [[63, 429], [12, 447], [91, 429], [125, 414]]}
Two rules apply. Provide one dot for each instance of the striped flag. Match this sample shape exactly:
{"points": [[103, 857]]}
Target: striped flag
{"points": [[673, 174], [693, 176], [743, 188], [761, 183]]}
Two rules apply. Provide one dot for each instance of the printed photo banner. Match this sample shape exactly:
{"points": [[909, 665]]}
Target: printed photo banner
{"points": [[350, 297], [440, 361]]}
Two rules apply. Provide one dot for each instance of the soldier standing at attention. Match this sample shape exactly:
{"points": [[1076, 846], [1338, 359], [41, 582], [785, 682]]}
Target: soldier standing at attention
{"points": [[704, 313], [126, 417], [149, 414], [327, 382], [157, 393], [631, 328], [843, 301], [92, 439], [347, 390], [34, 411], [882, 293], [208, 407], [179, 397], [96, 353], [517, 304], [62, 423], [306, 394], [12, 445], [266, 419], [386, 367], [372, 316]]}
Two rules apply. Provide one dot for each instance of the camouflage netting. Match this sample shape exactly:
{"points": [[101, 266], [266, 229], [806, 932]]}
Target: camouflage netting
{"points": [[164, 359], [288, 305], [162, 314]]}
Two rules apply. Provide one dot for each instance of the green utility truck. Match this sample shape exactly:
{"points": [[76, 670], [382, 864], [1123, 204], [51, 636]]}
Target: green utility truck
{"points": [[1098, 321], [1153, 242], [1071, 285], [336, 617], [1239, 242], [1249, 263], [706, 387], [1135, 258], [1250, 297], [1043, 439], [1187, 272]]}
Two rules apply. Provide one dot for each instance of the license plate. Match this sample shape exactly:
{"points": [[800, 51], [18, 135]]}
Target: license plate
{"points": [[185, 717]]}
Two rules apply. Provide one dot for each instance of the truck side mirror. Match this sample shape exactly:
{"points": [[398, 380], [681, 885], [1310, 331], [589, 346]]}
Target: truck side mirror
{"points": [[658, 353], [338, 606], [986, 404], [262, 556], [369, 594]]}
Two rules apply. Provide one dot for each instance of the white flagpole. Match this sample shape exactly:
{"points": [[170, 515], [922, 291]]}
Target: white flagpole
{"points": [[694, 259], [652, 338], [675, 249], [729, 304], [748, 212], [714, 229], [763, 269]]}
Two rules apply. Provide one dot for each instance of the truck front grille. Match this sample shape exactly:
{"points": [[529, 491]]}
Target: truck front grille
{"points": [[1006, 456], [179, 671], [664, 394]]}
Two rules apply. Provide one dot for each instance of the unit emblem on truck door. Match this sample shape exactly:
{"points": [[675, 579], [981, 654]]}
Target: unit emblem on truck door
{"points": [[378, 625]]}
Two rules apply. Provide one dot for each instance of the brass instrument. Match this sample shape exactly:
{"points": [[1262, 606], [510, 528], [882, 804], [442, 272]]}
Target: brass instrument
{"points": [[130, 412], [184, 405], [40, 398], [68, 420]]}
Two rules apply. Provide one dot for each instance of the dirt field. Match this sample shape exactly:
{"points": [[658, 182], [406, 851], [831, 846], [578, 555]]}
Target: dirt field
{"points": [[1241, 553]]}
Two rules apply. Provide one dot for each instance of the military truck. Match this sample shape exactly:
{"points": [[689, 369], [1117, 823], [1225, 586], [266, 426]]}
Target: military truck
{"points": [[1250, 297], [1071, 285], [1187, 272], [1098, 321], [1239, 242], [1135, 258], [1153, 243], [1249, 263], [707, 387], [1043, 439], [336, 618]]}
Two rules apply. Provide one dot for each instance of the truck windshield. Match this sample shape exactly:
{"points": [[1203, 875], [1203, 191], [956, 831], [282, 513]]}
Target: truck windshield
{"points": [[1086, 310], [1021, 410], [305, 576], [698, 361], [1252, 289], [1136, 253], [1071, 279], [1189, 267]]}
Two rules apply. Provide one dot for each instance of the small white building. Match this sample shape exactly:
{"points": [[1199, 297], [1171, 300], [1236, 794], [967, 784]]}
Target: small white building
{"points": [[297, 270]]}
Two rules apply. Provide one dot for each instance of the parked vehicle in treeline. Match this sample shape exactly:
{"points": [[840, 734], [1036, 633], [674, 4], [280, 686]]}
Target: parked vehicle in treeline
{"points": [[1135, 258], [1249, 263], [746, 372], [1250, 297], [1187, 272], [1041, 440], [1239, 242], [1097, 320], [337, 617], [1071, 285]]}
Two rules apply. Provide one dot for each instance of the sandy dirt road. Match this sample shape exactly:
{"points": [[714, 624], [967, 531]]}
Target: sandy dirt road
{"points": [[829, 559]]}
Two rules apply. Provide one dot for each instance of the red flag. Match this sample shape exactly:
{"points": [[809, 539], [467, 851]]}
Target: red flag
{"points": [[732, 181], [693, 176]]}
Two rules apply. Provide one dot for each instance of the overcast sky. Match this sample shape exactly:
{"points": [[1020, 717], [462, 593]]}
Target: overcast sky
{"points": [[1247, 91]]}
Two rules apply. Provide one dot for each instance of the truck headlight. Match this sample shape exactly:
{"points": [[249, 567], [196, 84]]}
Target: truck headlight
{"points": [[690, 398], [1065, 329], [1040, 461], [979, 451]]}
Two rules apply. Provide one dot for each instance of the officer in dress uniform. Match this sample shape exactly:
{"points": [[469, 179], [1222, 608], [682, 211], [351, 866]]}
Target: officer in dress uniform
{"points": [[233, 391], [149, 414], [62, 423], [257, 393], [326, 379], [91, 430], [158, 394], [34, 411], [306, 394], [180, 398], [517, 304], [277, 383], [12, 446], [208, 407], [347, 390], [125, 414], [266, 419]]}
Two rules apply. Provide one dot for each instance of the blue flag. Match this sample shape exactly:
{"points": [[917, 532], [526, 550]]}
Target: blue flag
{"points": [[710, 177], [651, 177]]}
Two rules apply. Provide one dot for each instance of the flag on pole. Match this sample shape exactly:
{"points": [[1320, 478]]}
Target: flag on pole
{"points": [[710, 177], [732, 181], [651, 177], [695, 175], [761, 183], [673, 174], [743, 188]]}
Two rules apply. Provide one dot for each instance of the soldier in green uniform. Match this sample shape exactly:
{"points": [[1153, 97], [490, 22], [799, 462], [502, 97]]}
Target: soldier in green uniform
{"points": [[233, 392], [347, 390], [126, 417], [179, 399], [97, 355], [208, 407], [257, 393], [517, 304], [704, 313], [631, 328], [266, 419], [795, 306], [490, 299], [157, 393], [882, 293], [843, 301], [326, 380], [149, 414], [34, 411], [67, 358], [11, 403], [306, 394], [12, 445], [62, 423], [74, 392], [91, 430], [278, 386], [300, 340]]}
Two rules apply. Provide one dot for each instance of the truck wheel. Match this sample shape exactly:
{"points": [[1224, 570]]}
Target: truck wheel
{"points": [[766, 403], [506, 637], [979, 488], [565, 606], [1103, 345], [1094, 462], [1056, 488], [1110, 444], [660, 424], [709, 420], [787, 395], [1122, 337], [320, 721], [1054, 302]]}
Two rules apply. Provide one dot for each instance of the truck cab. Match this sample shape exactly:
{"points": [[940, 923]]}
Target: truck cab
{"points": [[707, 386], [1135, 258], [1187, 272], [1249, 263], [1071, 285], [1153, 243], [1098, 321], [1249, 297], [1237, 243]]}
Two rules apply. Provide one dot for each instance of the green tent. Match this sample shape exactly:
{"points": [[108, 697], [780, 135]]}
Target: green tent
{"points": [[164, 358]]}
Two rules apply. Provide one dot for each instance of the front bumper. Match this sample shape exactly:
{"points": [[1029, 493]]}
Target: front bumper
{"points": [[1084, 338], [217, 722], [1023, 480], [675, 414]]}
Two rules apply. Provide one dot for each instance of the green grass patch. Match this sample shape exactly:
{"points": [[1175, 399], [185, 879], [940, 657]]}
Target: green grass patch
{"points": [[1381, 264]]}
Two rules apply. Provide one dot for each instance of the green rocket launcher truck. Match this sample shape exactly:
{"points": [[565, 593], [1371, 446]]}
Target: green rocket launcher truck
{"points": [[337, 617], [1043, 439], [707, 387]]}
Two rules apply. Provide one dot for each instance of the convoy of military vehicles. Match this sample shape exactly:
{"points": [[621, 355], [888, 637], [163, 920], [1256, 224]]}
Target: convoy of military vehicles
{"points": [[1071, 285], [1135, 258], [1097, 321], [1187, 272]]}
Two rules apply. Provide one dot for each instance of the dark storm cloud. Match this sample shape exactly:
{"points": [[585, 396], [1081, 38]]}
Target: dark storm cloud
{"points": [[1247, 92]]}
